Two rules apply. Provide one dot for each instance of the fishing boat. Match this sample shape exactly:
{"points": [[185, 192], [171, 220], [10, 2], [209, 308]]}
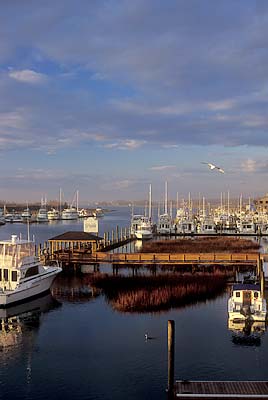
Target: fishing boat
{"points": [[164, 226], [53, 215], [141, 227], [26, 214], [246, 303], [69, 213], [42, 215], [22, 276]]}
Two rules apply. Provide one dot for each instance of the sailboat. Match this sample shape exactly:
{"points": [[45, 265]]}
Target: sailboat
{"points": [[141, 225]]}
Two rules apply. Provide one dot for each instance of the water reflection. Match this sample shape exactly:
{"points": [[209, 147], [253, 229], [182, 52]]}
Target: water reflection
{"points": [[156, 293], [74, 289], [22, 321], [247, 332]]}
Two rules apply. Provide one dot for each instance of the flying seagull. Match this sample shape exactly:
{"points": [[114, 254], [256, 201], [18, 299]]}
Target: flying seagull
{"points": [[212, 166]]}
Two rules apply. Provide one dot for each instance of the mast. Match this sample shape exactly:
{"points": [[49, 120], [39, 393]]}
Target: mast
{"points": [[60, 202], [228, 204], [150, 202], [166, 198], [77, 196]]}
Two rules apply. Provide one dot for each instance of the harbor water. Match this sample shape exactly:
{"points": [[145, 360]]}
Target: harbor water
{"points": [[76, 346]]}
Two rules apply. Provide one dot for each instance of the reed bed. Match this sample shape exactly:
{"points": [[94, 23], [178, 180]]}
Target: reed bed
{"points": [[158, 293], [201, 245]]}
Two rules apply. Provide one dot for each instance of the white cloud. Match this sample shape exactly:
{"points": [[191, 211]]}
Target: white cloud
{"points": [[162, 167], [249, 165], [128, 144], [28, 76]]}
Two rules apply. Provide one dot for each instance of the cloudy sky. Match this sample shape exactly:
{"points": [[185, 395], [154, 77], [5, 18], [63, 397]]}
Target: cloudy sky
{"points": [[107, 96]]}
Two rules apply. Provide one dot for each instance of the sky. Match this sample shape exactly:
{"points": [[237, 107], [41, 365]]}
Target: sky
{"points": [[109, 96]]}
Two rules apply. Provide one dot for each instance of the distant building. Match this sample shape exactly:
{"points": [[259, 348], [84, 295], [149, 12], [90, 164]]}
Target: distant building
{"points": [[262, 203]]}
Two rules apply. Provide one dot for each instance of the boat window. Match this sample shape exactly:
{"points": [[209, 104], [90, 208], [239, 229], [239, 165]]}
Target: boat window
{"points": [[14, 276], [237, 294], [256, 295], [5, 274], [31, 271]]}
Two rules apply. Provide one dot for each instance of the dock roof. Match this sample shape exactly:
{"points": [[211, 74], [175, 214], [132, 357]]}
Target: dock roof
{"points": [[75, 236]]}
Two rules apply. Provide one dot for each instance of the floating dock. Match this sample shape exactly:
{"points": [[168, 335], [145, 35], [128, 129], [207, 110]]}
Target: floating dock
{"points": [[186, 390], [215, 390]]}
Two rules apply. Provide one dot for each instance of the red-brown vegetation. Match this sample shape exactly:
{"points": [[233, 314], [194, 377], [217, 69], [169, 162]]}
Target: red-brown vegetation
{"points": [[157, 293], [201, 245]]}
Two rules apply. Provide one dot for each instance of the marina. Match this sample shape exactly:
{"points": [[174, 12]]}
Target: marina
{"points": [[150, 356]]}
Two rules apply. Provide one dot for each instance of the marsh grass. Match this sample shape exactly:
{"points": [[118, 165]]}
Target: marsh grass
{"points": [[201, 245]]}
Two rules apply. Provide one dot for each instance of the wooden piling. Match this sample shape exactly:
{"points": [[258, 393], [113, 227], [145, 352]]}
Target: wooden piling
{"points": [[171, 347]]}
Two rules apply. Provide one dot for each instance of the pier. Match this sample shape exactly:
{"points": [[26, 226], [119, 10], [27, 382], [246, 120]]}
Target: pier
{"points": [[76, 248], [215, 390]]}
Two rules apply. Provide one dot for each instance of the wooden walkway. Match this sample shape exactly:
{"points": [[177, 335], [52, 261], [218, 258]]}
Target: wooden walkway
{"points": [[173, 258], [221, 390]]}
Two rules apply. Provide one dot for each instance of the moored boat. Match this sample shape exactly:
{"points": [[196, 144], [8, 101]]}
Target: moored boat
{"points": [[247, 303], [22, 276]]}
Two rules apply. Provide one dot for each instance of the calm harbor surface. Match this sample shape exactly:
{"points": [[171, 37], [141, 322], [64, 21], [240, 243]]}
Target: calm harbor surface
{"points": [[78, 347]]}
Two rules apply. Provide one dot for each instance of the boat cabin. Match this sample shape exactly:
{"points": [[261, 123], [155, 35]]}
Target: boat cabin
{"points": [[14, 254], [246, 301]]}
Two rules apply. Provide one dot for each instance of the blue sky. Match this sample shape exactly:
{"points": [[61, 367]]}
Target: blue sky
{"points": [[109, 96]]}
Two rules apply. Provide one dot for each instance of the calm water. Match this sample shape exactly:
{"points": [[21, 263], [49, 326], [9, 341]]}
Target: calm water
{"points": [[80, 348]]}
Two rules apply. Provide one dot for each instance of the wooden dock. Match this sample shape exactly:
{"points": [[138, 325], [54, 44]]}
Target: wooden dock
{"points": [[176, 258], [215, 390], [186, 390]]}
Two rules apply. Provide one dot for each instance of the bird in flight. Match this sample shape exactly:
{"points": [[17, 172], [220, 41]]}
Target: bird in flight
{"points": [[212, 166]]}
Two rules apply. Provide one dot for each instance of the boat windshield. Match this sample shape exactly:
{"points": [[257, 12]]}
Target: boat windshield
{"points": [[11, 254]]}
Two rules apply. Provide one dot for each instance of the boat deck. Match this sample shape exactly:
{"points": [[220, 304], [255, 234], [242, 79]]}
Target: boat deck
{"points": [[221, 390]]}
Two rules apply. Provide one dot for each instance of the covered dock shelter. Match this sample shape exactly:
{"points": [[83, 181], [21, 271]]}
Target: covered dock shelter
{"points": [[74, 241]]}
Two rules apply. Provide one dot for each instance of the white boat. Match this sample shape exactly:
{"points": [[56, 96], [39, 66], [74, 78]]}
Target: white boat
{"points": [[99, 212], [13, 217], [42, 215], [207, 226], [141, 227], [53, 215], [2, 218], [186, 226], [246, 226], [164, 226], [70, 213], [21, 272], [246, 303], [26, 214]]}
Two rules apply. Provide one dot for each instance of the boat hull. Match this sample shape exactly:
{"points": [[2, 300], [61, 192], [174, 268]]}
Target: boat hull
{"points": [[237, 316], [30, 288]]}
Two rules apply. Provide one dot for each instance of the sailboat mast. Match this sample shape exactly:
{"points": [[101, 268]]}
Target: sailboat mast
{"points": [[150, 202], [166, 198], [77, 196]]}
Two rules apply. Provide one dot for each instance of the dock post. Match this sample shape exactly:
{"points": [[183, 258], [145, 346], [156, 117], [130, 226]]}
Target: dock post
{"points": [[117, 233], [262, 279], [171, 347]]}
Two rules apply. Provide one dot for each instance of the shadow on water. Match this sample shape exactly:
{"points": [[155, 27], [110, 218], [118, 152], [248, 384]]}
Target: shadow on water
{"points": [[141, 294]]}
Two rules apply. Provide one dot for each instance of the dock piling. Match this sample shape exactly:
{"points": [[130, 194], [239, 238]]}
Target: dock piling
{"points": [[171, 347]]}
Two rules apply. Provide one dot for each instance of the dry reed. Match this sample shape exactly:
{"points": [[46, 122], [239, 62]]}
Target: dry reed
{"points": [[201, 245]]}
